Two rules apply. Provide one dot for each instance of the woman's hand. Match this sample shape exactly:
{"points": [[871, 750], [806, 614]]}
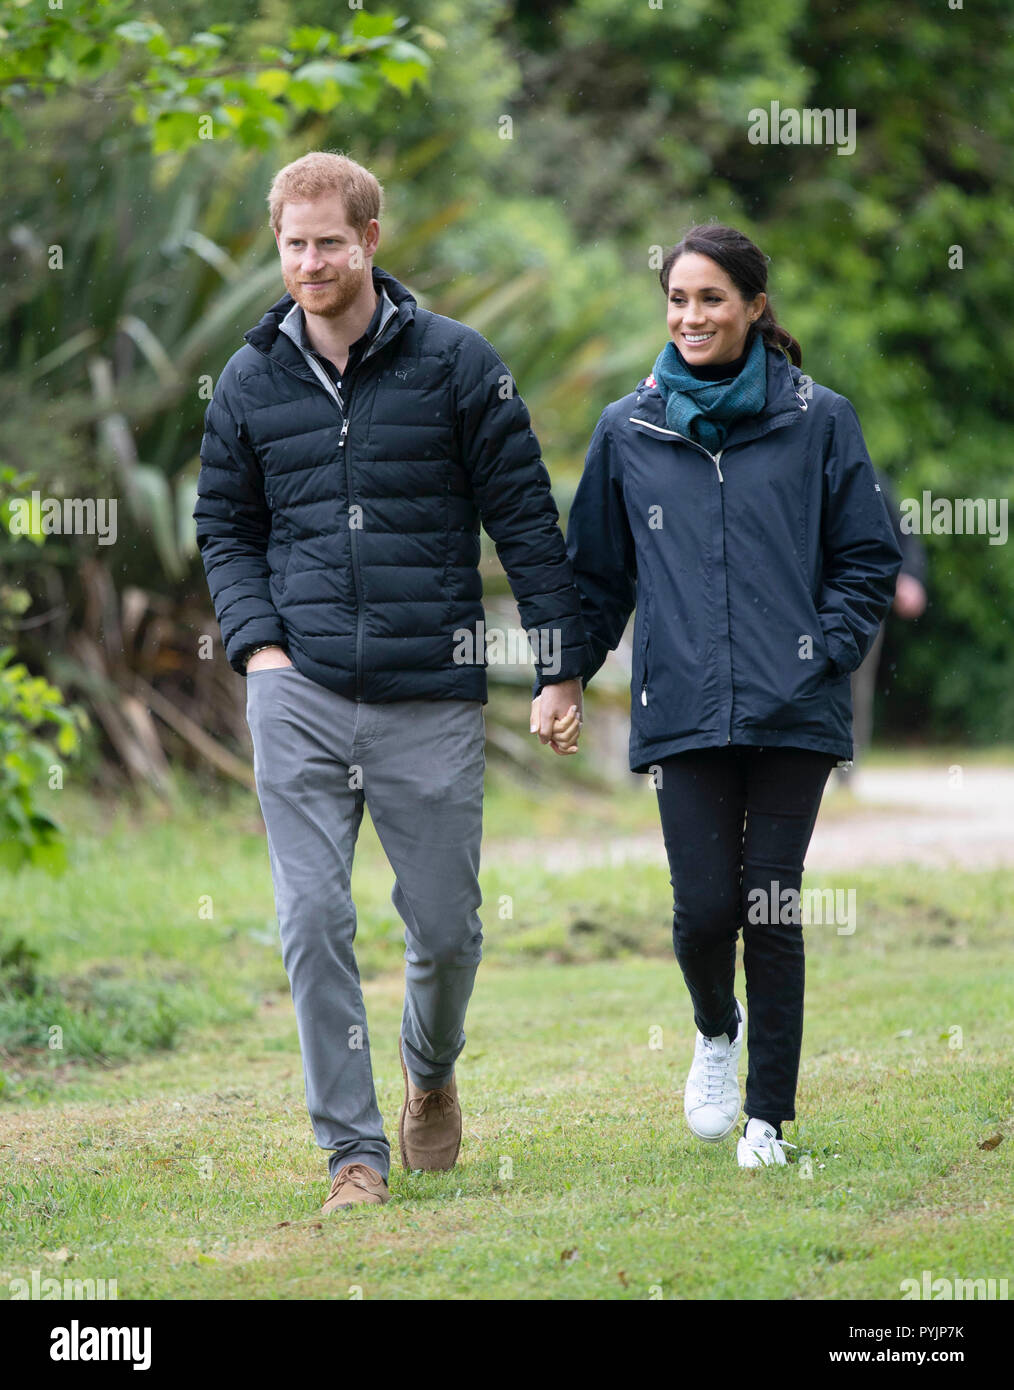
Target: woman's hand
{"points": [[566, 732]]}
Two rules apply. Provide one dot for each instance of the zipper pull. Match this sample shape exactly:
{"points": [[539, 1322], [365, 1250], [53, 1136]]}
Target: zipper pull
{"points": [[718, 458], [644, 694], [345, 430]]}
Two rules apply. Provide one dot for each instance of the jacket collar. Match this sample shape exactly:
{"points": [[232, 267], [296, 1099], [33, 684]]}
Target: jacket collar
{"points": [[268, 337], [294, 322], [785, 405]]}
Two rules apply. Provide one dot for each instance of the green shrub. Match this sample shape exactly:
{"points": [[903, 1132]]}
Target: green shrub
{"points": [[29, 759]]}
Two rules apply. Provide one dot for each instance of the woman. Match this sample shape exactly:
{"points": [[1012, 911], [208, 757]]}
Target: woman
{"points": [[733, 502]]}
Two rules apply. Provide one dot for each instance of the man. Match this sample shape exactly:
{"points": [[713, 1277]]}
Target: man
{"points": [[350, 451]]}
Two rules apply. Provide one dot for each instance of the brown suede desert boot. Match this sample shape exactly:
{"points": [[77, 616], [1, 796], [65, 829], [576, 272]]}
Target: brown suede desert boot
{"points": [[356, 1185], [429, 1126]]}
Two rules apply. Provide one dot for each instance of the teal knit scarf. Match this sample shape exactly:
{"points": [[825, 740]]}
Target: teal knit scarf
{"points": [[705, 410]]}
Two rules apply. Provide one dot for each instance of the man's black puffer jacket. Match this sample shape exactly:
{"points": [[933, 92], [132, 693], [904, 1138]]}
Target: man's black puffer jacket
{"points": [[355, 543]]}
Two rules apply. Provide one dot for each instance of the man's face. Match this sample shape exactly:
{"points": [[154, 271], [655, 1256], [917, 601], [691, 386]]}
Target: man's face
{"points": [[325, 261]]}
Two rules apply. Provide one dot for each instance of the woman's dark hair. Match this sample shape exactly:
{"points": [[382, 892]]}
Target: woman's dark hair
{"points": [[746, 266]]}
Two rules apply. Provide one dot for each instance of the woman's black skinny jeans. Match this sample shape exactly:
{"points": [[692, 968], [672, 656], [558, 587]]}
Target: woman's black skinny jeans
{"points": [[737, 819]]}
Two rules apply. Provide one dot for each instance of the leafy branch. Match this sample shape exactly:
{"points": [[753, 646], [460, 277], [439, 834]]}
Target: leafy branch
{"points": [[202, 88]]}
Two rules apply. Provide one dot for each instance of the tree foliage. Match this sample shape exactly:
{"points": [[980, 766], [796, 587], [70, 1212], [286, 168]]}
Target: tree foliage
{"points": [[205, 86]]}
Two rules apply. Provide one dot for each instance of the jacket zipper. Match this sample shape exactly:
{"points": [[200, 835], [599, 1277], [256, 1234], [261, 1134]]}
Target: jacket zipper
{"points": [[716, 459], [344, 404], [357, 578], [675, 434]]}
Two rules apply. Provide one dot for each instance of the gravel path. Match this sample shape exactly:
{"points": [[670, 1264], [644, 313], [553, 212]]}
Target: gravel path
{"points": [[940, 817], [934, 816]]}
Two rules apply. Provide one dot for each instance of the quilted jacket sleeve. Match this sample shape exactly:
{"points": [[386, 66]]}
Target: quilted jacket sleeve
{"points": [[601, 549], [512, 491], [233, 526], [861, 557]]}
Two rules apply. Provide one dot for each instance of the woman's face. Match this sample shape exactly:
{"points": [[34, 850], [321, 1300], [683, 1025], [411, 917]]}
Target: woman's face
{"points": [[708, 318]]}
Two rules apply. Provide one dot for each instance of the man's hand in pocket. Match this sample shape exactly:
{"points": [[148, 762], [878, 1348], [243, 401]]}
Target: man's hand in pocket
{"points": [[267, 659]]}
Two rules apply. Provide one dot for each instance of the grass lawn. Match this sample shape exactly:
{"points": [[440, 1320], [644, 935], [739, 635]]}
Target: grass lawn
{"points": [[166, 1143]]}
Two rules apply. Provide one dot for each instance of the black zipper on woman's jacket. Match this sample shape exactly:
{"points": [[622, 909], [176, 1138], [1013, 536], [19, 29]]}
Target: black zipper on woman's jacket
{"points": [[728, 617]]}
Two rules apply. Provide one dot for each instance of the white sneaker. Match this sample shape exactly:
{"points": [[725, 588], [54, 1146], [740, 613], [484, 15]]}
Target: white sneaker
{"points": [[759, 1147], [711, 1099]]}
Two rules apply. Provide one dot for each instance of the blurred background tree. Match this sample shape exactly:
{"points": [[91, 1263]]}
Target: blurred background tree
{"points": [[533, 154]]}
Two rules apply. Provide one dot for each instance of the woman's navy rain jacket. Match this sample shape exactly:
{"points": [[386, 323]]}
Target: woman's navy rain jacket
{"points": [[760, 574]]}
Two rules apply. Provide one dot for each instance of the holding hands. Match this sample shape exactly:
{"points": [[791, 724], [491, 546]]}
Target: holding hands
{"points": [[557, 716]]}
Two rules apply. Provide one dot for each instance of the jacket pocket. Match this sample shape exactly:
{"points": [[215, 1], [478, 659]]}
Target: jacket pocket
{"points": [[278, 568], [283, 575], [645, 645], [828, 670], [279, 545], [279, 558], [815, 627]]}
